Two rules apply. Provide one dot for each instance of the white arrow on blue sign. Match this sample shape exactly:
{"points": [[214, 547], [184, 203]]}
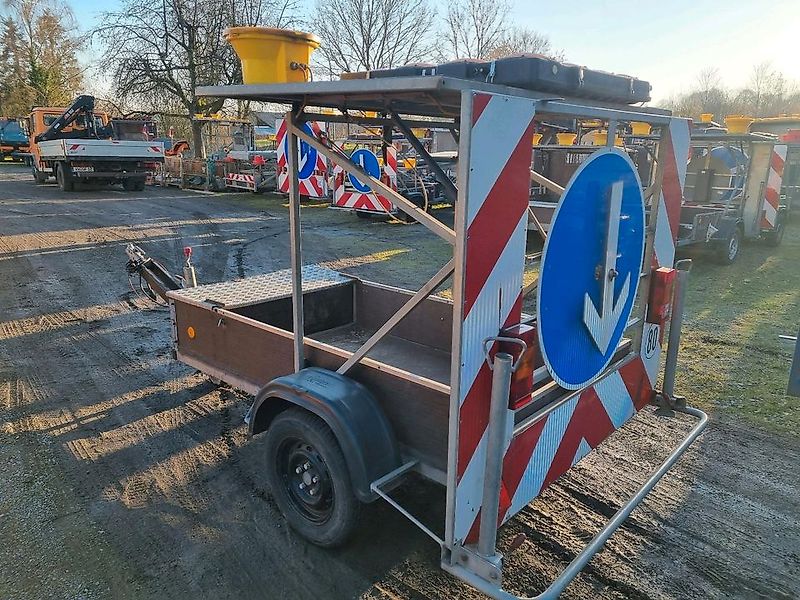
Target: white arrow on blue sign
{"points": [[590, 268], [367, 160]]}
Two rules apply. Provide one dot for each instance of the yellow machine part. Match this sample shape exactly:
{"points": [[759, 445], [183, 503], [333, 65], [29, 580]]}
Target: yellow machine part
{"points": [[566, 138], [273, 55]]}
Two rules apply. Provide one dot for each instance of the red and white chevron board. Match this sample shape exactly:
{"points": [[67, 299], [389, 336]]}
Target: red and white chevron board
{"points": [[366, 201], [240, 181], [490, 290], [547, 448], [772, 191], [677, 139], [314, 186]]}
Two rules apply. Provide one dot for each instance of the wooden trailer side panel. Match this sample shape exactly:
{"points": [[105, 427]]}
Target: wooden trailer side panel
{"points": [[248, 354]]}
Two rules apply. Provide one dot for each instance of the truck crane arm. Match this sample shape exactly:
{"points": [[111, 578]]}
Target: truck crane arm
{"points": [[83, 105]]}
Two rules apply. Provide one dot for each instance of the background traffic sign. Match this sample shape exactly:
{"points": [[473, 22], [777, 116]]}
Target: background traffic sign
{"points": [[367, 160], [590, 268], [307, 155]]}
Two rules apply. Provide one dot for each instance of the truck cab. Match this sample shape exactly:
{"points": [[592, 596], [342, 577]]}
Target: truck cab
{"points": [[13, 141]]}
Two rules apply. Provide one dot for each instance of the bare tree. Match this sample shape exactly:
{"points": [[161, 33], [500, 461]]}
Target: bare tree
{"points": [[767, 93], [372, 34], [38, 55], [521, 40], [474, 28], [159, 51]]}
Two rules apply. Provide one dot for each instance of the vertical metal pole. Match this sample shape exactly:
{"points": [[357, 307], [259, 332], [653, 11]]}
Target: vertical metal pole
{"points": [[611, 137], [674, 340], [296, 248], [498, 411]]}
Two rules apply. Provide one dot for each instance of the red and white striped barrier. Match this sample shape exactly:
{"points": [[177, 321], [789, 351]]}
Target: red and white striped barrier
{"points": [[491, 297], [316, 184], [772, 191], [366, 201], [241, 181]]}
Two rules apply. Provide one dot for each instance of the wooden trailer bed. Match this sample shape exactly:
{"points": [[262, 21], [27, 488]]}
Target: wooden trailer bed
{"points": [[240, 332]]}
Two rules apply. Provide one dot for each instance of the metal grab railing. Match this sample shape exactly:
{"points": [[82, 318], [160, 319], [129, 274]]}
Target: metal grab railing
{"points": [[486, 540], [580, 561]]}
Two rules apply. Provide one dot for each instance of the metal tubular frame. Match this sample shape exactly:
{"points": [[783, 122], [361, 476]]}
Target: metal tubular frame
{"points": [[436, 226], [502, 367], [484, 574], [377, 487], [375, 121], [673, 341], [579, 562], [296, 244], [438, 279], [548, 183], [450, 190]]}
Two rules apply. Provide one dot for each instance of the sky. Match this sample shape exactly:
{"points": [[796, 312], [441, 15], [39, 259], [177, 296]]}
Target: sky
{"points": [[665, 42]]}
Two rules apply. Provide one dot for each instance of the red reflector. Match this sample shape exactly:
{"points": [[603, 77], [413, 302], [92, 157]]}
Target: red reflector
{"points": [[659, 304]]}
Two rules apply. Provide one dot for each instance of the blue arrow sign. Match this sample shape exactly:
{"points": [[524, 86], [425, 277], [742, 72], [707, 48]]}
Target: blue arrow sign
{"points": [[306, 155], [590, 268], [369, 162]]}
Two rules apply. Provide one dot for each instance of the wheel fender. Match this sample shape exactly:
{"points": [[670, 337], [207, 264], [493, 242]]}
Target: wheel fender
{"points": [[348, 408]]}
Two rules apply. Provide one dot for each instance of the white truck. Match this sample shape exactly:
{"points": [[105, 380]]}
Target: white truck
{"points": [[75, 144]]}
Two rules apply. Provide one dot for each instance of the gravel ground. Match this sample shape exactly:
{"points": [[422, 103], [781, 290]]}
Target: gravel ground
{"points": [[128, 475]]}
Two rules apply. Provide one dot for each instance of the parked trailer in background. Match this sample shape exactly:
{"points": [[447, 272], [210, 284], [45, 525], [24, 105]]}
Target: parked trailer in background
{"points": [[733, 192], [357, 384]]}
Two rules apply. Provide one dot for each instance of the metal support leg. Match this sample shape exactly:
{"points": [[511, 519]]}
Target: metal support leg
{"points": [[674, 340], [296, 246], [498, 411]]}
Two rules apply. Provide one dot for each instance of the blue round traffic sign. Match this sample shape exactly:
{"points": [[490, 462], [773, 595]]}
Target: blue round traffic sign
{"points": [[367, 161], [590, 268], [307, 155]]}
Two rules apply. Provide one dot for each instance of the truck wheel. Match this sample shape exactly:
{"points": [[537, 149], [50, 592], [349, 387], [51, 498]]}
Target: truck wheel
{"points": [[39, 176], [728, 250], [309, 479], [64, 179], [133, 184], [775, 237]]}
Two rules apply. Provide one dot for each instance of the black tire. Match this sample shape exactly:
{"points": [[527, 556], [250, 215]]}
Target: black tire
{"points": [[419, 200], [133, 184], [318, 500], [64, 179], [728, 250], [775, 237], [39, 176]]}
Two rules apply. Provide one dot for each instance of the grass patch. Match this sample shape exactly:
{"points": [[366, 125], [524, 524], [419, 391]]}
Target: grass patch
{"points": [[732, 360]]}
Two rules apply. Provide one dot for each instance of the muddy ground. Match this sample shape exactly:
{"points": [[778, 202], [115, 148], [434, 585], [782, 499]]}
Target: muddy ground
{"points": [[127, 475]]}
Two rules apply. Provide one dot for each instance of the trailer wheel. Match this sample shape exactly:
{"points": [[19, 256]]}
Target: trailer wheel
{"points": [[309, 479], [64, 179], [775, 237], [728, 250]]}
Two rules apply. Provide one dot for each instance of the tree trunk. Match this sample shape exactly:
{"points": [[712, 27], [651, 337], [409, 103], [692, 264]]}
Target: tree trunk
{"points": [[197, 139]]}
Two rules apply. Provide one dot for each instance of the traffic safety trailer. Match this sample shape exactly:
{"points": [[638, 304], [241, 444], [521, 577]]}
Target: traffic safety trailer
{"points": [[357, 384]]}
